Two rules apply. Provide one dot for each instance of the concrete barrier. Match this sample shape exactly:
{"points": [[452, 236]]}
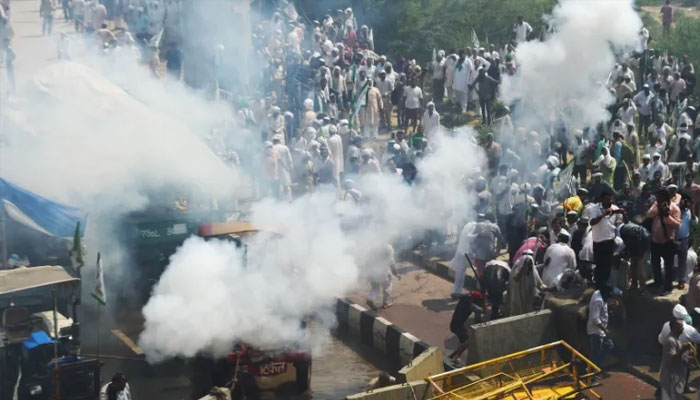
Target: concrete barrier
{"points": [[405, 391], [428, 363], [508, 335], [399, 346]]}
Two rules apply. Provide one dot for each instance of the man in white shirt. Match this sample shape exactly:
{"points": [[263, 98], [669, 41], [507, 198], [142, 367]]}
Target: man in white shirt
{"points": [[558, 258], [658, 165], [431, 120], [597, 325], [386, 88], [459, 261], [645, 169], [604, 218], [462, 78], [438, 67], [521, 29], [689, 334], [626, 112], [643, 102], [414, 96]]}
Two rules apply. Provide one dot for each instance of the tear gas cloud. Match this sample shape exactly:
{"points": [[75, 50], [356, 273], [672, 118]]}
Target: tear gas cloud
{"points": [[103, 135], [562, 80], [206, 300]]}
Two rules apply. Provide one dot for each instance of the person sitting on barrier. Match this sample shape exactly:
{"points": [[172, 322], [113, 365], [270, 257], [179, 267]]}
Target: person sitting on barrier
{"points": [[381, 381], [468, 303], [116, 389]]}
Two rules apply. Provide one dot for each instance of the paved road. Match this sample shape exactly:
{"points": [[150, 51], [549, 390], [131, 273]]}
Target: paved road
{"points": [[422, 306]]}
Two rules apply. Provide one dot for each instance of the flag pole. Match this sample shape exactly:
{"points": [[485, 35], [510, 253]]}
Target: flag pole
{"points": [[3, 227], [55, 323], [99, 328]]}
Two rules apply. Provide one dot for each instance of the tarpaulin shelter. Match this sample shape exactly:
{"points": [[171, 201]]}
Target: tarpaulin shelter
{"points": [[36, 227]]}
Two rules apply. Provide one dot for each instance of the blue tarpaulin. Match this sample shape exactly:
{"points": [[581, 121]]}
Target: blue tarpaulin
{"points": [[37, 339], [39, 213]]}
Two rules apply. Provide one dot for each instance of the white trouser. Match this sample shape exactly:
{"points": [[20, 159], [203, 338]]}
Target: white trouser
{"points": [[460, 273], [462, 98]]}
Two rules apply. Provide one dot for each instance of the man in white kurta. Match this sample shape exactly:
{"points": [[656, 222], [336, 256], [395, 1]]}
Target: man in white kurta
{"points": [[430, 121], [459, 261], [461, 80], [558, 258], [524, 285], [335, 146]]}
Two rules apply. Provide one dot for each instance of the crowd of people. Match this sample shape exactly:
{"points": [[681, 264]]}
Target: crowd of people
{"points": [[557, 208]]}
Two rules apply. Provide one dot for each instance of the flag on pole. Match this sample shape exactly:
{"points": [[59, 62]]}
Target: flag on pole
{"points": [[360, 101], [99, 292], [76, 256], [475, 40]]}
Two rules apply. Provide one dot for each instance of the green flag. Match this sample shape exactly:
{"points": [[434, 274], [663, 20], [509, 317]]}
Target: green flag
{"points": [[99, 293], [360, 101]]}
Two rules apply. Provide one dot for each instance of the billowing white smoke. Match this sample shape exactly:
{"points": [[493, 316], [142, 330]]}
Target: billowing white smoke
{"points": [[75, 136], [88, 138], [563, 78], [206, 300]]}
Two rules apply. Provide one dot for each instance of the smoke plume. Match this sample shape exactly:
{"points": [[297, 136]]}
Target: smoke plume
{"points": [[209, 298], [562, 80]]}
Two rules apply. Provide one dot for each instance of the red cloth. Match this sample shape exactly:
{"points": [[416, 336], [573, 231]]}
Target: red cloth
{"points": [[529, 244]]}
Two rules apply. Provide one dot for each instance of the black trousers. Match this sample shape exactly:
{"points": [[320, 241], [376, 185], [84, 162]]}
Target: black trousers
{"points": [[581, 172], [438, 91], [602, 255], [665, 251]]}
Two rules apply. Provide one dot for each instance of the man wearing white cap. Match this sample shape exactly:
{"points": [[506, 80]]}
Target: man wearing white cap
{"points": [[644, 170], [284, 165], [430, 121], [658, 165], [524, 285], [309, 114], [689, 335], [558, 258], [335, 146]]}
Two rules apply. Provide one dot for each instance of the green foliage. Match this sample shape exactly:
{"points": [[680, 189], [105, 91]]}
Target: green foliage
{"points": [[680, 40], [418, 26], [412, 28]]}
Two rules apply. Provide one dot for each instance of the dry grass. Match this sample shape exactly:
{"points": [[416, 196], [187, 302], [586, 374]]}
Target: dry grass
{"points": [[655, 11]]}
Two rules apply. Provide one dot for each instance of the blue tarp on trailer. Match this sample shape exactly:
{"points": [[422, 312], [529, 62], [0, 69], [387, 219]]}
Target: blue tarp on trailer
{"points": [[39, 213]]}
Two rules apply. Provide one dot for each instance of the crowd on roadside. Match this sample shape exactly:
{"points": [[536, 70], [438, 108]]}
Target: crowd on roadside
{"points": [[607, 206]]}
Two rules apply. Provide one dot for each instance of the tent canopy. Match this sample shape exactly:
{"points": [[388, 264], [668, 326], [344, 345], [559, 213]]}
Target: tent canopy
{"points": [[39, 213], [17, 280]]}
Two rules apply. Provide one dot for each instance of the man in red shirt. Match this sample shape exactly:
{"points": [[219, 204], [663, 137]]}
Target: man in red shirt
{"points": [[667, 16]]}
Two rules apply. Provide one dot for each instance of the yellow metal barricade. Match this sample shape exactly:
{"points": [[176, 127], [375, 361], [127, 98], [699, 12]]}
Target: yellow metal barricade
{"points": [[552, 371]]}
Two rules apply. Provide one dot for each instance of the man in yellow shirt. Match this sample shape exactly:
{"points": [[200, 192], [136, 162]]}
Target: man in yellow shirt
{"points": [[576, 203]]}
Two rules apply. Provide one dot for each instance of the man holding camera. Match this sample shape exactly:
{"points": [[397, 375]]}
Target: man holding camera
{"points": [[665, 219], [604, 218]]}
